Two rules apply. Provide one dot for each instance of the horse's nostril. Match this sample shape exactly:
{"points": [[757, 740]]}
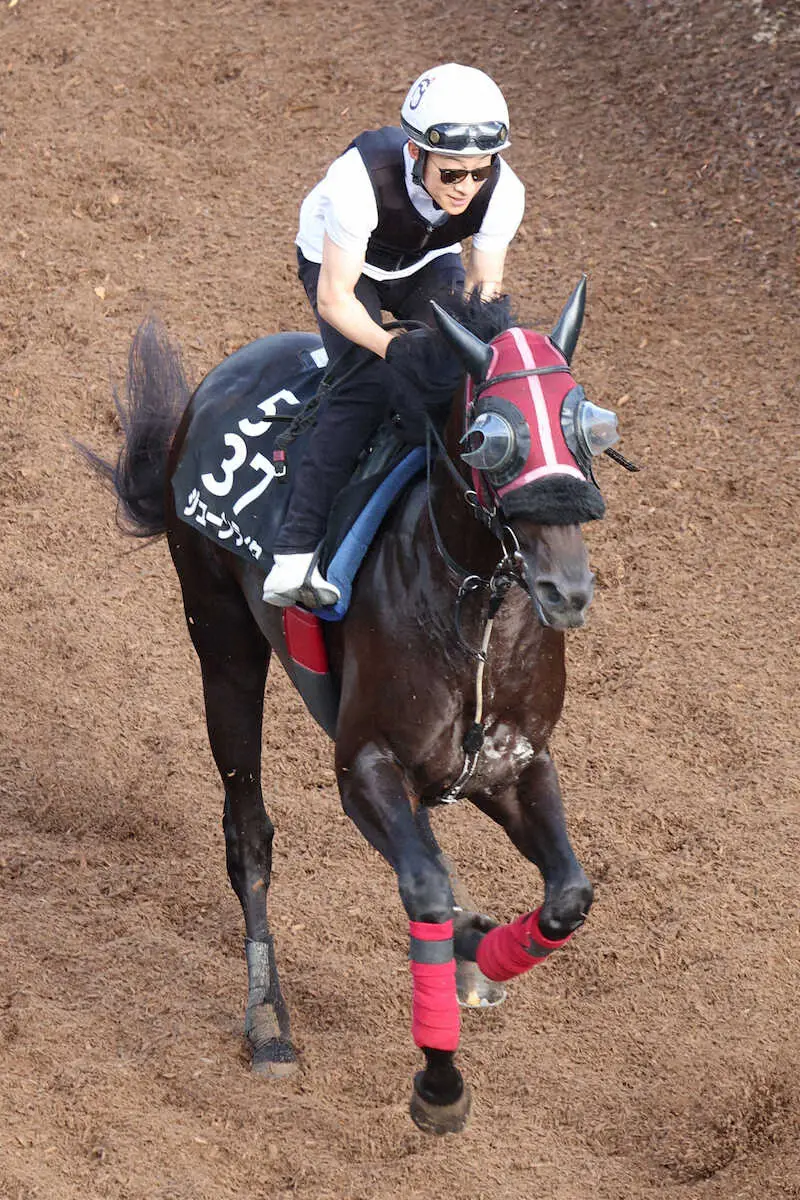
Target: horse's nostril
{"points": [[567, 602], [549, 594]]}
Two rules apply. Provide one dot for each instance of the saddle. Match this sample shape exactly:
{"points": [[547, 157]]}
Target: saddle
{"points": [[225, 483]]}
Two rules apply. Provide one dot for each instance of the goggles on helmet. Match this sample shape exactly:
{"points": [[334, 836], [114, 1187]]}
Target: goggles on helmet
{"points": [[486, 135]]}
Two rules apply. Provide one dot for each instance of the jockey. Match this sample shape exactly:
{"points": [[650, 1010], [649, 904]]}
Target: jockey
{"points": [[382, 231]]}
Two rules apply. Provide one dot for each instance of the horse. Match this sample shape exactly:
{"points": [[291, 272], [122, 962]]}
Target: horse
{"points": [[448, 666]]}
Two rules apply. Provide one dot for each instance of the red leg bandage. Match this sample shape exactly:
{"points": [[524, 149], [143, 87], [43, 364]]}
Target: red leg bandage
{"points": [[435, 1020], [511, 950]]}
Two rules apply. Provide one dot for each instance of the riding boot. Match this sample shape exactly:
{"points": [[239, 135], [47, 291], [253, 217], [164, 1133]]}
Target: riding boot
{"points": [[296, 578]]}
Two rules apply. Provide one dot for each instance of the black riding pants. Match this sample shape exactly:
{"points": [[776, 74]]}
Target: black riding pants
{"points": [[354, 406]]}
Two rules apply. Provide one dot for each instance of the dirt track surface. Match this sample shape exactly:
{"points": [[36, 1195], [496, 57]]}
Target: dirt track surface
{"points": [[152, 158]]}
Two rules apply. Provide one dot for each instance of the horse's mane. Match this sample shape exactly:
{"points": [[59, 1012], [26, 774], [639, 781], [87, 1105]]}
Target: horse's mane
{"points": [[485, 318]]}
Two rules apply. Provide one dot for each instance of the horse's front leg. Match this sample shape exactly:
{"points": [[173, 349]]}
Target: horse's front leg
{"points": [[473, 988], [375, 797], [532, 814]]}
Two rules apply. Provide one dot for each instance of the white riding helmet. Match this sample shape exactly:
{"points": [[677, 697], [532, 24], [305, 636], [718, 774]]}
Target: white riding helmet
{"points": [[456, 110]]}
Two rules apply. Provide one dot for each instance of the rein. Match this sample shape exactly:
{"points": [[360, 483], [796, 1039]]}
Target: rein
{"points": [[504, 575]]}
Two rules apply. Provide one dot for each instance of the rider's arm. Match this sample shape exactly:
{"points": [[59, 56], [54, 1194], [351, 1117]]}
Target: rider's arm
{"points": [[486, 272], [498, 229], [337, 302]]}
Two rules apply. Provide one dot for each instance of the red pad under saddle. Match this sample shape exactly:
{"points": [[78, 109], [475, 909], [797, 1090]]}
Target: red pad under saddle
{"points": [[304, 640]]}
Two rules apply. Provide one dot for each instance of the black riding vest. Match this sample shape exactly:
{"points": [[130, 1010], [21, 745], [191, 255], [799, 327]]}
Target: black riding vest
{"points": [[402, 236]]}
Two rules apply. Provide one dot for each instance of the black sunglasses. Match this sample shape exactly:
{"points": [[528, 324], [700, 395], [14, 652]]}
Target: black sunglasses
{"points": [[450, 175]]}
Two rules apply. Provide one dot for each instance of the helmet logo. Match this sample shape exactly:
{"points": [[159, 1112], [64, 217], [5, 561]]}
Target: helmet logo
{"points": [[419, 91]]}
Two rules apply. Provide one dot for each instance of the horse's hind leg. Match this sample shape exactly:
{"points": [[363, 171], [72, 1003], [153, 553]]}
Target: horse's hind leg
{"points": [[234, 658], [474, 989]]}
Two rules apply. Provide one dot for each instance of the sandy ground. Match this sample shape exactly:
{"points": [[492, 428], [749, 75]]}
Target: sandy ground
{"points": [[152, 158]]}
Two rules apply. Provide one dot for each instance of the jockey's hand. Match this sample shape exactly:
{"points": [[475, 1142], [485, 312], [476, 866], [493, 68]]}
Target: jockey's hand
{"points": [[424, 361]]}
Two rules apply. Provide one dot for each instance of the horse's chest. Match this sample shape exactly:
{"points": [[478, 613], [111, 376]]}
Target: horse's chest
{"points": [[505, 753]]}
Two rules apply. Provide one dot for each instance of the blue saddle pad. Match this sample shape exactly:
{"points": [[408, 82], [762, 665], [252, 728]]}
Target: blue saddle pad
{"points": [[353, 545]]}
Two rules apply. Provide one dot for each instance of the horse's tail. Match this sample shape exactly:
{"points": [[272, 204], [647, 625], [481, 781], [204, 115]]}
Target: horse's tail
{"points": [[156, 394]]}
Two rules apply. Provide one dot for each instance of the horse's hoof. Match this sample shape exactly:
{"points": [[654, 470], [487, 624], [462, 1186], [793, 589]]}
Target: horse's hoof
{"points": [[480, 998], [274, 1059], [439, 1118], [475, 990]]}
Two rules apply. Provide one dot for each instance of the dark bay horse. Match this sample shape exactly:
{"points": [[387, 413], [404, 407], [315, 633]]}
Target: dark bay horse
{"points": [[449, 662]]}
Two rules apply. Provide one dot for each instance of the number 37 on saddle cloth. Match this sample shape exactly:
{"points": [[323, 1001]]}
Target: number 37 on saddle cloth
{"points": [[225, 484]]}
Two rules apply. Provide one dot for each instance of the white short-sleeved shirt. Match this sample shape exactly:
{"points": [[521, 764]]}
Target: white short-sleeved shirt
{"points": [[343, 206]]}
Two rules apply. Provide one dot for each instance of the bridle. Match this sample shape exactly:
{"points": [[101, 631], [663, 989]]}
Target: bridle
{"points": [[507, 572], [508, 568]]}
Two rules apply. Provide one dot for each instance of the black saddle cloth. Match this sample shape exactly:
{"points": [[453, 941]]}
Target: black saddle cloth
{"points": [[224, 483]]}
